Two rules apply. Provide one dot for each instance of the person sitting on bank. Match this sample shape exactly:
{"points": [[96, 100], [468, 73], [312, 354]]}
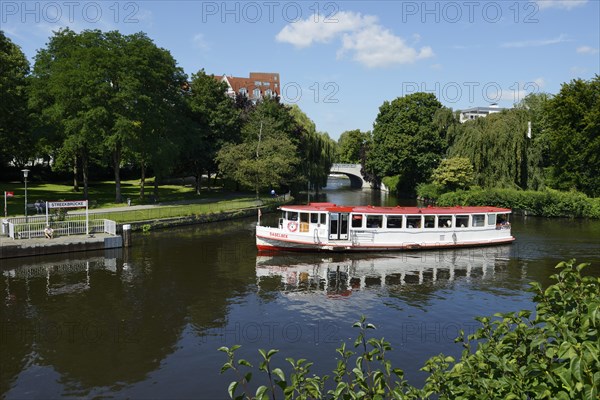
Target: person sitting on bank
{"points": [[48, 232]]}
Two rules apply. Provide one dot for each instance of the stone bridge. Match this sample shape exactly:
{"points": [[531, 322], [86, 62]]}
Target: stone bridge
{"points": [[352, 171]]}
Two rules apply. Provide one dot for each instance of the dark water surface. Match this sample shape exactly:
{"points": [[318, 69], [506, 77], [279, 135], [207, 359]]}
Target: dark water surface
{"points": [[146, 322]]}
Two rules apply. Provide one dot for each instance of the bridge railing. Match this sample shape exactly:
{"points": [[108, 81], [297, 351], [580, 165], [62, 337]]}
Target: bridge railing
{"points": [[341, 166]]}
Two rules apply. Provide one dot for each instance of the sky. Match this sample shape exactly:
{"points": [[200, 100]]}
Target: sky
{"points": [[341, 60]]}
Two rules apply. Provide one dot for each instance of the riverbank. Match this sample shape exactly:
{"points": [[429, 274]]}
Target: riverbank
{"points": [[134, 216]]}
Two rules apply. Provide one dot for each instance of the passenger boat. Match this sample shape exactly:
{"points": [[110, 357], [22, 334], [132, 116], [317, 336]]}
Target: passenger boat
{"points": [[330, 227]]}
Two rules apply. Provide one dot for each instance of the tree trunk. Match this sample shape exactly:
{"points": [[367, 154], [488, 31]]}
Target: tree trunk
{"points": [[84, 171], [156, 179], [198, 182], [117, 167], [142, 181], [75, 178]]}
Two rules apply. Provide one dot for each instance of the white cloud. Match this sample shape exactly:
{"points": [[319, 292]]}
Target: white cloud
{"points": [[369, 43], [319, 30], [587, 50], [376, 46], [200, 42], [536, 43], [562, 4]]}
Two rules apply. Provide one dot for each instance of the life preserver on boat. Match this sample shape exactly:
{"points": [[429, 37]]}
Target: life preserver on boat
{"points": [[292, 226]]}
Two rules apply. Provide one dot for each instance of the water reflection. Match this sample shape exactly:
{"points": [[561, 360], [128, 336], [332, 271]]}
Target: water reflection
{"points": [[340, 275], [414, 276]]}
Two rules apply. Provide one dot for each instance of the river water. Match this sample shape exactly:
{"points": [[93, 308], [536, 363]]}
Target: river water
{"points": [[146, 322]]}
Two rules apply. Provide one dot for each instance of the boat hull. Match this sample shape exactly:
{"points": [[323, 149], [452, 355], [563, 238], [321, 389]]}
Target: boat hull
{"points": [[273, 239]]}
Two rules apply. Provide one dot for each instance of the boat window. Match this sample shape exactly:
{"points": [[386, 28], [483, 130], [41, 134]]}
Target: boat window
{"points": [[314, 218], [303, 217], [292, 216], [413, 222], [502, 221], [323, 219], [394, 221], [491, 219], [478, 220], [430, 221], [445, 221], [374, 221], [462, 221], [357, 220]]}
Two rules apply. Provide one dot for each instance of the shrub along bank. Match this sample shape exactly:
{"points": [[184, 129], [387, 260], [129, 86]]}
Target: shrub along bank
{"points": [[544, 203]]}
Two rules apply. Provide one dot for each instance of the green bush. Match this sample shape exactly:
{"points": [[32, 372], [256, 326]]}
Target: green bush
{"points": [[391, 182], [553, 355], [429, 191], [547, 203]]}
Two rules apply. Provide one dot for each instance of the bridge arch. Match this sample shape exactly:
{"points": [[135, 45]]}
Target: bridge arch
{"points": [[352, 171]]}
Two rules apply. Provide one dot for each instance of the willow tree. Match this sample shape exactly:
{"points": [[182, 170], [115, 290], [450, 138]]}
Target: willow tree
{"points": [[316, 151], [499, 149]]}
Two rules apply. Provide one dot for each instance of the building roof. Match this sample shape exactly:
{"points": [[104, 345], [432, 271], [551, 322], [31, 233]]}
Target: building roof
{"points": [[262, 81], [483, 109], [330, 207]]}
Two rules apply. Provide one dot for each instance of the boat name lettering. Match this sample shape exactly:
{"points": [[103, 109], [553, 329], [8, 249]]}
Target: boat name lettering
{"points": [[281, 235]]}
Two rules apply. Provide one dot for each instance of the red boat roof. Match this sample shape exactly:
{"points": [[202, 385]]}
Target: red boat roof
{"points": [[330, 207]]}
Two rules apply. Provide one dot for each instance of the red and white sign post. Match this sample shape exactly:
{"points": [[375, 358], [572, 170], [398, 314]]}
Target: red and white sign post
{"points": [[7, 195]]}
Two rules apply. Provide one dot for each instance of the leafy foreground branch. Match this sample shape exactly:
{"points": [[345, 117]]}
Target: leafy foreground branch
{"points": [[553, 355]]}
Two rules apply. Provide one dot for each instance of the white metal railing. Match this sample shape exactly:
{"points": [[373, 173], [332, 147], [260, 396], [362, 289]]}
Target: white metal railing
{"points": [[61, 228], [41, 218]]}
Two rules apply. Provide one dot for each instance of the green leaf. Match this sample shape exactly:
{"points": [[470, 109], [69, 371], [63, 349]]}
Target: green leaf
{"points": [[261, 393], [231, 389], [241, 361], [279, 373]]}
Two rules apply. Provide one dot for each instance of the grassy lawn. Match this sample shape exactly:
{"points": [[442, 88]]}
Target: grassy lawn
{"points": [[178, 210], [102, 195]]}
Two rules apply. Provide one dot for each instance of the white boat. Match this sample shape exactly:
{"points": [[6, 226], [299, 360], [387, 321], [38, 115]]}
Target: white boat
{"points": [[330, 227]]}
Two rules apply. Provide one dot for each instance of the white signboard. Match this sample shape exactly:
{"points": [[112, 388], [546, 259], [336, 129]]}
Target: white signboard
{"points": [[67, 204]]}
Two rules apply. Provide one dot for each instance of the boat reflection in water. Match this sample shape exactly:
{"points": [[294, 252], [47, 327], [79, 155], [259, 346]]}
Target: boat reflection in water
{"points": [[341, 274]]}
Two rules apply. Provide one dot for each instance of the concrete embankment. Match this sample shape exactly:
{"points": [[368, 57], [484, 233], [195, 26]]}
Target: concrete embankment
{"points": [[10, 248]]}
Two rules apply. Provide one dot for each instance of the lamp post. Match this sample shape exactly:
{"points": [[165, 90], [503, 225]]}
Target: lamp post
{"points": [[25, 174]]}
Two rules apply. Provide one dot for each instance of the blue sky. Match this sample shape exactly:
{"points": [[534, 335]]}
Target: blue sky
{"points": [[340, 60]]}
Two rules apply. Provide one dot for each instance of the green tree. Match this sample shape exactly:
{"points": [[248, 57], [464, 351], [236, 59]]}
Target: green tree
{"points": [[574, 136], [266, 157], [67, 81], [453, 173], [215, 122], [15, 140], [350, 144], [406, 142], [105, 93]]}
